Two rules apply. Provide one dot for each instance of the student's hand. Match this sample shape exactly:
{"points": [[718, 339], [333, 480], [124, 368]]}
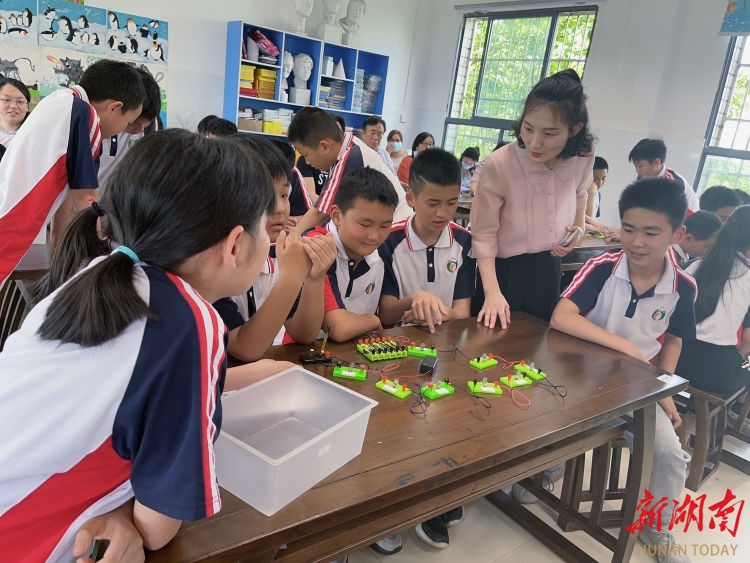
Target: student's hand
{"points": [[291, 222], [671, 410], [292, 256], [321, 250], [427, 309], [125, 543], [613, 235], [495, 307]]}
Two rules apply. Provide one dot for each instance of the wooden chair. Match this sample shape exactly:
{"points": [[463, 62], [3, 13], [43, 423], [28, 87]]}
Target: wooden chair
{"points": [[13, 308], [603, 485], [710, 426]]}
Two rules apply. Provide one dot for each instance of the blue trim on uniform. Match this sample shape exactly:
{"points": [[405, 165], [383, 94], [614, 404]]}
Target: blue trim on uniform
{"points": [[83, 170]]}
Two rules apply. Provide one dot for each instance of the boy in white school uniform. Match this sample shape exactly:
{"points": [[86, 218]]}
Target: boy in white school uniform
{"points": [[639, 301], [429, 276], [361, 219]]}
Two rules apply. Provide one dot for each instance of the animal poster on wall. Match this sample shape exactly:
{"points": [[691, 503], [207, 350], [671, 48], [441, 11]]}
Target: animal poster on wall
{"points": [[736, 19], [62, 68], [137, 38], [18, 21], [72, 26]]}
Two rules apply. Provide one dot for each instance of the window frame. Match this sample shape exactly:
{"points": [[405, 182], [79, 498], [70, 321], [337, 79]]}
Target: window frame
{"points": [[708, 149], [502, 124]]}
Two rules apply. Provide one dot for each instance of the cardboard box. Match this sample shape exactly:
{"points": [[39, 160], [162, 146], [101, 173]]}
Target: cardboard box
{"points": [[284, 434], [246, 124]]}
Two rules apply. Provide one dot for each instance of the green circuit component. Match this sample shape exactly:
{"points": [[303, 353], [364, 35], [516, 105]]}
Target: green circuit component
{"points": [[483, 362], [437, 390], [421, 351], [350, 372], [393, 388], [530, 371], [514, 381], [485, 388]]}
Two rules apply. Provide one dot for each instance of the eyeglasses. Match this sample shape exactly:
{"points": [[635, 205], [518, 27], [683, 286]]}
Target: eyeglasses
{"points": [[427, 145], [18, 101]]}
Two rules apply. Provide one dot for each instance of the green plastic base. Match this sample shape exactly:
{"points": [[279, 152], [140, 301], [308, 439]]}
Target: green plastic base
{"points": [[438, 391], [484, 388], [483, 364], [344, 372], [529, 372], [378, 351], [421, 351], [512, 381], [392, 389]]}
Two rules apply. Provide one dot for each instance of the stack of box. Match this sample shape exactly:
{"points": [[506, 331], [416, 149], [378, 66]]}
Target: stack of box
{"points": [[370, 93], [265, 83], [247, 79], [246, 121], [337, 94], [359, 86], [285, 117]]}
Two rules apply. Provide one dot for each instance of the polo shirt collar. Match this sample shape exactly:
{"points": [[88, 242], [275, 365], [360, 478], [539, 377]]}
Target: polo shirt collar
{"points": [[415, 243], [666, 284], [345, 146]]}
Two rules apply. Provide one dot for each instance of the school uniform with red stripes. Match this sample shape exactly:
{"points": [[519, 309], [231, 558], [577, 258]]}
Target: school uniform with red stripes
{"points": [[84, 429], [56, 149]]}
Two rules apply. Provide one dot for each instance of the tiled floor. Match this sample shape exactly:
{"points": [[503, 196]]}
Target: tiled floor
{"points": [[487, 535]]}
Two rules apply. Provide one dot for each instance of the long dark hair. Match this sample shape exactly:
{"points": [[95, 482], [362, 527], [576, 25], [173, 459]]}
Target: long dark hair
{"points": [[173, 195], [563, 92], [716, 266]]}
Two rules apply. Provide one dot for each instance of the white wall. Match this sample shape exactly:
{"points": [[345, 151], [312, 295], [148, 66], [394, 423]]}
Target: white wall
{"points": [[653, 70], [196, 68]]}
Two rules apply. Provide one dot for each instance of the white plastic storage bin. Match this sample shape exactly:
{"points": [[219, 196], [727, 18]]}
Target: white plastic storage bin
{"points": [[284, 434]]}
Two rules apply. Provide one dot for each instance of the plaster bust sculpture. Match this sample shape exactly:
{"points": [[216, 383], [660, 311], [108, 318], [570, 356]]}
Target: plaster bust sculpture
{"points": [[302, 11], [302, 70], [287, 63], [330, 11], [350, 23]]}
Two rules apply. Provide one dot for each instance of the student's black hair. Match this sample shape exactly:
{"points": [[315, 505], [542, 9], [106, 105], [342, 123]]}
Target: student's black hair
{"points": [[435, 166], [470, 152], [16, 84], [703, 225], [600, 163], [372, 121], [419, 139], [271, 156], [649, 150], [286, 149], [657, 194], [114, 80], [310, 125], [743, 195], [716, 197], [563, 93], [368, 184], [716, 266], [202, 126], [152, 101], [220, 127], [174, 195]]}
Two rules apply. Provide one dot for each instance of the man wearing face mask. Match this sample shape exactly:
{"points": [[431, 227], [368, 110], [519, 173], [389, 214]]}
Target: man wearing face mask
{"points": [[469, 159]]}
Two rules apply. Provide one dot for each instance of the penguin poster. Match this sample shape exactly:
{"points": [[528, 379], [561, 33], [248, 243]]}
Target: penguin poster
{"points": [[18, 22], [63, 25], [137, 38], [61, 68]]}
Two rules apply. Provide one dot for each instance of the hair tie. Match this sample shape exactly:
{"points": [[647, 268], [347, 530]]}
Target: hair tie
{"points": [[129, 253], [97, 209]]}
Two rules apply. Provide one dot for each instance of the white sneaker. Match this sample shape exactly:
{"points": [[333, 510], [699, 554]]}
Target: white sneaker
{"points": [[550, 477], [664, 546], [388, 546]]}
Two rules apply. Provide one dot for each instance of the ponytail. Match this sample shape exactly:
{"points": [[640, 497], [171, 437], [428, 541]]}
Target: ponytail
{"points": [[716, 267], [79, 245]]}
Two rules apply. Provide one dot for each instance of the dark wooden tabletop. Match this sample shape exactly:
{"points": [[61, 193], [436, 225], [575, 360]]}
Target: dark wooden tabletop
{"points": [[458, 441]]}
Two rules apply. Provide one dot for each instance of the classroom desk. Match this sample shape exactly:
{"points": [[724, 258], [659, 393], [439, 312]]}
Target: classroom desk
{"points": [[464, 210], [587, 249], [415, 467]]}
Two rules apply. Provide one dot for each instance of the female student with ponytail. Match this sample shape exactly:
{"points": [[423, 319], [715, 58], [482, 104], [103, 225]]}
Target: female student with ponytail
{"points": [[722, 310], [110, 390]]}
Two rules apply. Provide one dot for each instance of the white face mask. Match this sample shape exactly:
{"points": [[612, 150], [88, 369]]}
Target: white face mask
{"points": [[396, 145], [467, 166]]}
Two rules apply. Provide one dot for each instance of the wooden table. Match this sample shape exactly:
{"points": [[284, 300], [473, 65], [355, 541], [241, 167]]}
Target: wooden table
{"points": [[464, 210], [587, 249], [415, 467]]}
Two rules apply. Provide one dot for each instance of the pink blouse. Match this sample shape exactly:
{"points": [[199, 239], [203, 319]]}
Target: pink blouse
{"points": [[523, 207]]}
